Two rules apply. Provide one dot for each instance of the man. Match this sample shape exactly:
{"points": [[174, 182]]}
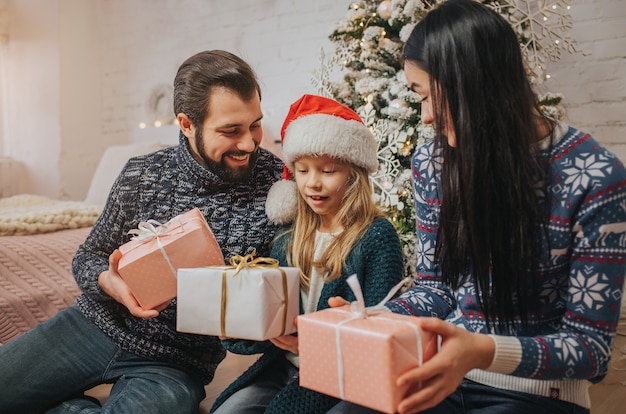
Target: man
{"points": [[106, 337]]}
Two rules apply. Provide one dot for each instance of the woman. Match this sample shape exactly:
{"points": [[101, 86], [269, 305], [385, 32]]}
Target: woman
{"points": [[521, 221]]}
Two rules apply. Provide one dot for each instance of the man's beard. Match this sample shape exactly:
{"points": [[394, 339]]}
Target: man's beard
{"points": [[221, 169]]}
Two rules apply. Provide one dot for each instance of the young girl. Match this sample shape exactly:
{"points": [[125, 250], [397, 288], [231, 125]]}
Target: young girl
{"points": [[523, 223], [337, 231]]}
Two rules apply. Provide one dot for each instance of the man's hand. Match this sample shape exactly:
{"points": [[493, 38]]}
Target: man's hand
{"points": [[113, 285]]}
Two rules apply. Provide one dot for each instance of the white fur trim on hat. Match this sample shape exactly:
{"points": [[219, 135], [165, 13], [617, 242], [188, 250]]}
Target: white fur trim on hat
{"points": [[323, 134], [282, 202]]}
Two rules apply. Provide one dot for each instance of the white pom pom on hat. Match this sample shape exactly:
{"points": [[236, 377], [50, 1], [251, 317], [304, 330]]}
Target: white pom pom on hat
{"points": [[316, 125], [282, 202]]}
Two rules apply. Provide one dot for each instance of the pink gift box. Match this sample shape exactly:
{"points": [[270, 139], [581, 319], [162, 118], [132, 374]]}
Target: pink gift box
{"points": [[359, 359], [151, 259]]}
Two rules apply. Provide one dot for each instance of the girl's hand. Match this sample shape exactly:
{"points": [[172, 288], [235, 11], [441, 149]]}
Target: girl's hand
{"points": [[113, 285], [460, 352], [286, 342], [337, 301]]}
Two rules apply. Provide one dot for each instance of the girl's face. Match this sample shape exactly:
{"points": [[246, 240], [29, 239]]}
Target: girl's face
{"points": [[322, 182], [419, 82]]}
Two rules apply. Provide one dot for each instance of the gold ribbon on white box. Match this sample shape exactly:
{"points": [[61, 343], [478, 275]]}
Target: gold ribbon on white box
{"points": [[248, 261]]}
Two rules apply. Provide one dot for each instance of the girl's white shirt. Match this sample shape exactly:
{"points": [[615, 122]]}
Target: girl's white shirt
{"points": [[311, 296]]}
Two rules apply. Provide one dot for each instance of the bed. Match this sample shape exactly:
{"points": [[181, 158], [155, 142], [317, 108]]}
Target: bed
{"points": [[38, 239], [35, 260]]}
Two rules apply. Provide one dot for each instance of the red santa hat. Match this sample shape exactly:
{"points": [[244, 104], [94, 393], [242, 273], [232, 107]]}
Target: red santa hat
{"points": [[316, 125]]}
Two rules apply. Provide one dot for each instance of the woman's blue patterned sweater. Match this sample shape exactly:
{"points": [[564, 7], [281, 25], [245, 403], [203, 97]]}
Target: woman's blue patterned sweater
{"points": [[567, 343]]}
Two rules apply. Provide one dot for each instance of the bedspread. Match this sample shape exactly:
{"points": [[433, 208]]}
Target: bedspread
{"points": [[36, 278]]}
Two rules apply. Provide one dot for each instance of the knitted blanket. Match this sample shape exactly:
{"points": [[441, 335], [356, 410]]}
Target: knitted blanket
{"points": [[32, 214], [36, 278]]}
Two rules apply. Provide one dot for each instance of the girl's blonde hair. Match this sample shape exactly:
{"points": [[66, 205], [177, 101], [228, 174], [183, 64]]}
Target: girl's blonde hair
{"points": [[356, 213]]}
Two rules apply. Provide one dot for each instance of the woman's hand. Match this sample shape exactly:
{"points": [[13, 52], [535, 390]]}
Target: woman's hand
{"points": [[113, 285], [460, 352]]}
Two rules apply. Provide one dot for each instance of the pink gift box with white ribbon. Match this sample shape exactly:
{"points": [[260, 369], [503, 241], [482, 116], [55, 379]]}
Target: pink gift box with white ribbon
{"points": [[357, 354], [150, 261]]}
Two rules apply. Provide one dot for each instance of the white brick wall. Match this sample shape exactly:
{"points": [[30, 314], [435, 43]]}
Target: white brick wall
{"points": [[282, 40], [145, 45]]}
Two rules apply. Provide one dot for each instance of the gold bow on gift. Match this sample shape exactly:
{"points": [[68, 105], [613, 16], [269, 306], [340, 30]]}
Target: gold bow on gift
{"points": [[248, 261]]}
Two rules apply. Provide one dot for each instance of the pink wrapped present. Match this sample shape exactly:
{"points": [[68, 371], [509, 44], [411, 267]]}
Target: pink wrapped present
{"points": [[151, 259], [253, 298], [357, 354]]}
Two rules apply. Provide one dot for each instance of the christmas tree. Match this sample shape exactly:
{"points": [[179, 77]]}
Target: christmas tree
{"points": [[367, 61]]}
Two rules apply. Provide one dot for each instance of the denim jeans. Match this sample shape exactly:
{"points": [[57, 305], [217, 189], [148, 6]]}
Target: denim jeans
{"points": [[473, 398], [48, 368], [255, 398]]}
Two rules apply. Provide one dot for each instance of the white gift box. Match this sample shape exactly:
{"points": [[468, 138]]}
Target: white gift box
{"points": [[255, 303]]}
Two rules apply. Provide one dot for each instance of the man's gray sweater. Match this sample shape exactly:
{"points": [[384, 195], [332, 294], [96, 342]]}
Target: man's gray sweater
{"points": [[159, 186]]}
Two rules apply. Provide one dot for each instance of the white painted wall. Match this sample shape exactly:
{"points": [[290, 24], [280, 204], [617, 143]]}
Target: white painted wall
{"points": [[32, 87], [81, 72], [80, 96], [52, 117]]}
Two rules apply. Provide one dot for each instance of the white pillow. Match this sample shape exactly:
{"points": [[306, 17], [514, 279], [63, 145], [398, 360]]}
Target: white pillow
{"points": [[110, 166]]}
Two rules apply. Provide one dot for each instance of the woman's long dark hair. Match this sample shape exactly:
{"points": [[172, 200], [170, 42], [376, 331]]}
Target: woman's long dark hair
{"points": [[490, 214]]}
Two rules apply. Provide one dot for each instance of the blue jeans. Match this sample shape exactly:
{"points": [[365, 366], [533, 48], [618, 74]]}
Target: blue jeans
{"points": [[48, 368], [255, 398], [473, 398]]}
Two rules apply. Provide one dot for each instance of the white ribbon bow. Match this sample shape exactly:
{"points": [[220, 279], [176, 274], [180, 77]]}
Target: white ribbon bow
{"points": [[149, 230], [153, 230], [358, 306]]}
